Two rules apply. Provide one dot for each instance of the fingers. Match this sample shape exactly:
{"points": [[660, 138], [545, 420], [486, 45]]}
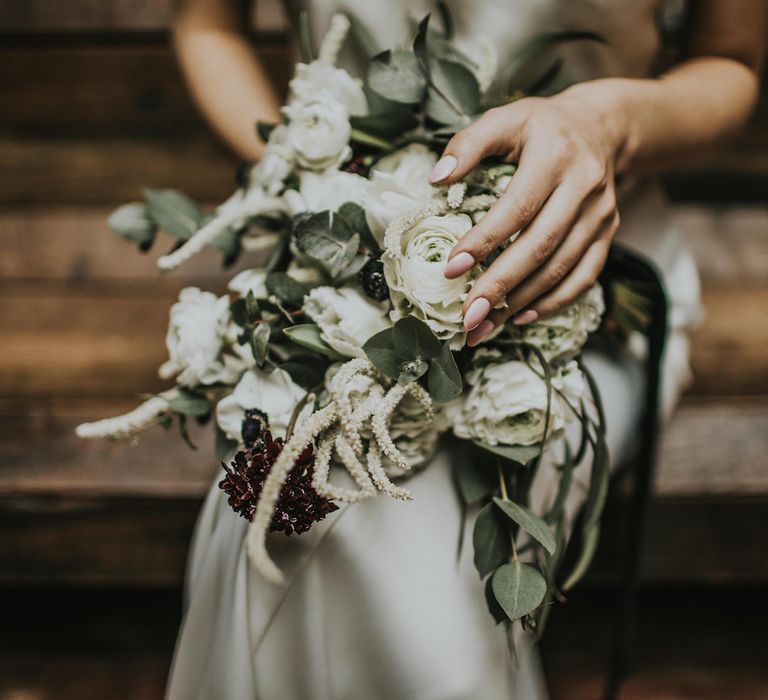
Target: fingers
{"points": [[493, 134], [529, 252]]}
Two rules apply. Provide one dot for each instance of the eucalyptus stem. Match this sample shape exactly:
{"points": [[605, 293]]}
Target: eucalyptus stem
{"points": [[502, 484], [308, 397]]}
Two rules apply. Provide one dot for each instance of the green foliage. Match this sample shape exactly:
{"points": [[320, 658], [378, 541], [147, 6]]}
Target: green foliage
{"points": [[444, 378], [307, 371], [132, 222], [173, 212], [286, 289], [309, 336], [329, 240], [491, 540], [259, 342], [475, 478], [223, 446], [519, 454], [453, 95], [519, 589], [529, 522], [396, 76], [189, 403]]}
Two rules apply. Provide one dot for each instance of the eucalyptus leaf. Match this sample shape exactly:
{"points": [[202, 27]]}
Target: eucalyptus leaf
{"points": [[397, 76], [308, 335], [132, 222], [528, 522], [188, 403], [473, 479], [380, 350], [453, 94], [420, 49], [497, 612], [519, 588], [491, 540], [260, 343], [411, 370], [287, 289], [521, 454], [329, 240], [385, 124], [444, 378], [173, 212], [589, 544], [414, 340], [308, 374], [354, 215]]}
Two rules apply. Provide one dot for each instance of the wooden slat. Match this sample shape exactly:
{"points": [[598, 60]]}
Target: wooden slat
{"points": [[98, 341], [94, 89], [111, 15]]}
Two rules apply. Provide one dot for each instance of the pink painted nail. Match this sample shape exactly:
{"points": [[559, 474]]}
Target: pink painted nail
{"points": [[476, 313], [528, 316], [458, 265], [476, 336], [443, 168]]}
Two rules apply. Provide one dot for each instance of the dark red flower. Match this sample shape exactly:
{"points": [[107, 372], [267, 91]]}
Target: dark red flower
{"points": [[299, 504]]}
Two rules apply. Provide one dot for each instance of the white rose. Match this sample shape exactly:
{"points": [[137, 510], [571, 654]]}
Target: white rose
{"points": [[326, 191], [318, 132], [314, 78], [507, 403], [277, 163], [198, 331], [398, 183], [347, 319], [274, 393], [417, 285], [563, 335]]}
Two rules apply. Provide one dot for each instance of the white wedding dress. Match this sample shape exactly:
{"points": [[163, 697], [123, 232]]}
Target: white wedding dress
{"points": [[376, 605]]}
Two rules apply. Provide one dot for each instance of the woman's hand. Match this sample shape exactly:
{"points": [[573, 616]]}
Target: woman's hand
{"points": [[562, 198]]}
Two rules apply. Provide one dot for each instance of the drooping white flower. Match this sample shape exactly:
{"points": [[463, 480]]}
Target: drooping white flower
{"points": [[275, 393], [414, 271], [563, 335], [398, 183], [314, 78], [507, 403], [318, 131], [326, 191], [198, 331], [347, 319]]}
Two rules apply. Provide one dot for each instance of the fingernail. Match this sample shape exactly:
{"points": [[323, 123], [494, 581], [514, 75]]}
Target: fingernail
{"points": [[476, 313], [443, 168], [476, 336], [458, 265], [528, 316]]}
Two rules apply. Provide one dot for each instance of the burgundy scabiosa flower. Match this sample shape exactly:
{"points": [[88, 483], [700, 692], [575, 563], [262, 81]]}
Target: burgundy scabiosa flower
{"points": [[299, 504]]}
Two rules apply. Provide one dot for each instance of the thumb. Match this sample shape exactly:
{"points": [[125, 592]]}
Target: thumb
{"points": [[493, 134]]}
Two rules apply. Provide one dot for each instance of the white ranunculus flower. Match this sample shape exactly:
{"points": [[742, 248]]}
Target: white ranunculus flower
{"points": [[398, 183], [275, 393], [507, 403], [313, 78], [563, 335], [318, 132], [326, 191], [347, 319], [417, 285], [277, 163], [198, 331]]}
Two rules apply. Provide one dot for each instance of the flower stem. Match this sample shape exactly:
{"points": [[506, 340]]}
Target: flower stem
{"points": [[308, 397]]}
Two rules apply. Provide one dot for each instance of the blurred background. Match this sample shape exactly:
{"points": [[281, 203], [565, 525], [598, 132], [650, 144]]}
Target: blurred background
{"points": [[93, 535]]}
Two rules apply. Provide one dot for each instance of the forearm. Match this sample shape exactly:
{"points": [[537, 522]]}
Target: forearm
{"points": [[684, 113], [224, 74]]}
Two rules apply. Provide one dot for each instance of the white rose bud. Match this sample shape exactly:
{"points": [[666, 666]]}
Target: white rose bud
{"points": [[417, 285], [507, 404], [311, 79], [275, 393], [398, 183], [318, 132], [563, 335], [346, 318], [199, 330]]}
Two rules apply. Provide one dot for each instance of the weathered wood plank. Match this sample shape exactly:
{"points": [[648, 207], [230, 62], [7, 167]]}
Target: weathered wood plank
{"points": [[115, 15], [97, 89]]}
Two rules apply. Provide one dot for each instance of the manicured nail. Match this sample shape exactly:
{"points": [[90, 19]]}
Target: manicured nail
{"points": [[458, 265], [528, 316], [443, 168], [476, 313], [476, 336]]}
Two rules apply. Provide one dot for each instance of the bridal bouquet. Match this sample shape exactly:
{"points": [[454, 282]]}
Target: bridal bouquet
{"points": [[332, 369]]}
